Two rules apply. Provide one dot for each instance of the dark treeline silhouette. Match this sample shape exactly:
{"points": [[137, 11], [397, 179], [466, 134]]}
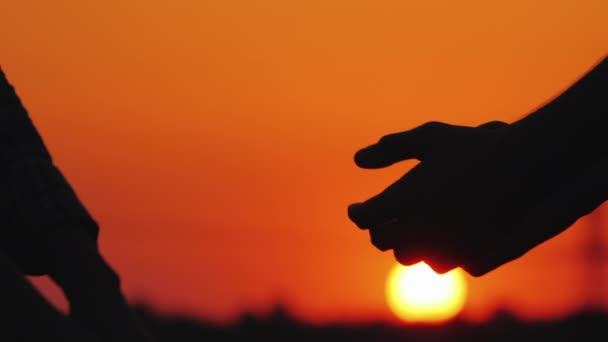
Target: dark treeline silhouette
{"points": [[281, 326]]}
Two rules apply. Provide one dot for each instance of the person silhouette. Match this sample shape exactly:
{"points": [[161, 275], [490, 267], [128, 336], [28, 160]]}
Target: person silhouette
{"points": [[483, 196], [48, 231]]}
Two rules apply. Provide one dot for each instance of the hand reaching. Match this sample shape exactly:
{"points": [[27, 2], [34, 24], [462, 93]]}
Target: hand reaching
{"points": [[47, 230], [483, 196], [471, 202], [98, 310]]}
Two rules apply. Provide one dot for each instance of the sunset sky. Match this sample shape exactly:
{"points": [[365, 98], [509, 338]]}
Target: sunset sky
{"points": [[214, 140]]}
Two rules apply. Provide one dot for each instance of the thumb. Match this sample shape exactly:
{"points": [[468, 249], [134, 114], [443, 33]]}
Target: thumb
{"points": [[396, 147]]}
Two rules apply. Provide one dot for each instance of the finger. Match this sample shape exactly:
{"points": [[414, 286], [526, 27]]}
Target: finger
{"points": [[388, 235], [375, 211], [396, 200], [555, 215], [441, 264], [421, 142], [392, 148], [413, 243], [27, 315], [434, 251], [93, 289], [406, 256]]}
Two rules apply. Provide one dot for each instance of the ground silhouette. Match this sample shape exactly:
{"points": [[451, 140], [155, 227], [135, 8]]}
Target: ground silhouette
{"points": [[281, 326]]}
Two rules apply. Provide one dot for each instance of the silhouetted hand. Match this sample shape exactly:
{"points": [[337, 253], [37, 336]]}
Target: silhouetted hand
{"points": [[47, 230], [98, 310], [483, 196], [474, 201]]}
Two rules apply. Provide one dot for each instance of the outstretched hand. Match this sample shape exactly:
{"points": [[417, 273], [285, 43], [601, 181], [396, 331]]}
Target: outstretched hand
{"points": [[473, 201], [47, 230]]}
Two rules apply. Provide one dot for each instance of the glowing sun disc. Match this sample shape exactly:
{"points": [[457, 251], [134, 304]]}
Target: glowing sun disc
{"points": [[417, 294]]}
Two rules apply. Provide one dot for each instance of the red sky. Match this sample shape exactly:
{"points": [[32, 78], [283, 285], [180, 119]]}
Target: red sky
{"points": [[213, 141]]}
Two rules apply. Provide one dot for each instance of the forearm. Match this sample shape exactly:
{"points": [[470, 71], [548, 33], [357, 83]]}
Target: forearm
{"points": [[564, 136], [36, 196], [19, 139], [575, 120]]}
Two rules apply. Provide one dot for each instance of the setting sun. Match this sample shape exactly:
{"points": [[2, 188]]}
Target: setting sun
{"points": [[418, 294]]}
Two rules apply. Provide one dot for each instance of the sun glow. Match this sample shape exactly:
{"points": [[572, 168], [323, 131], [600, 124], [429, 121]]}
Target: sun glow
{"points": [[417, 294]]}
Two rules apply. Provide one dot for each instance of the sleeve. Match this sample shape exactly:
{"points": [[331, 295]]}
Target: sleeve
{"points": [[37, 198]]}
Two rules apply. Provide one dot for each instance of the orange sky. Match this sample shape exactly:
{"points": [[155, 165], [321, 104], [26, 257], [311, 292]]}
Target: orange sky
{"points": [[213, 140]]}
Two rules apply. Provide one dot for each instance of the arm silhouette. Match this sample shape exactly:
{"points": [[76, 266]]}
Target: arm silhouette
{"points": [[48, 231], [483, 196]]}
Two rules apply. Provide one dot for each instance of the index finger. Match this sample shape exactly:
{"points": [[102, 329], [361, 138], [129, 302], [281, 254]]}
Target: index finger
{"points": [[397, 200]]}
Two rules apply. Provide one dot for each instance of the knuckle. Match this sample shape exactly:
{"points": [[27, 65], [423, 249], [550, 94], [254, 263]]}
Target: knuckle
{"points": [[405, 258], [440, 267], [476, 270], [378, 241], [432, 126], [494, 124]]}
